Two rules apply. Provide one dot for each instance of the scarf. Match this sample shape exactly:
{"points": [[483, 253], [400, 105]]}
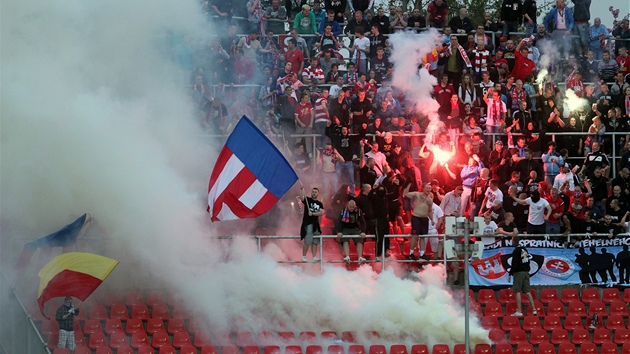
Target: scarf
{"points": [[345, 215], [516, 97], [462, 52], [481, 57], [627, 105]]}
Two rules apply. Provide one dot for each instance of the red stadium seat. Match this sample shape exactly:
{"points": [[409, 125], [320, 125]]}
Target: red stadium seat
{"points": [[272, 349], [538, 336], [180, 339], [567, 348], [609, 348], [140, 311], [118, 339], [167, 349], [552, 322], [61, 351], [51, 326], [287, 337], [588, 348], [576, 308], [82, 350], [398, 349], [126, 350], [625, 349], [98, 312], [580, 336], [503, 348], [531, 323], [356, 349], [459, 348], [89, 326], [329, 335], [626, 295], [372, 335], [589, 295], [420, 349], [154, 297], [139, 339], [555, 308], [573, 322], [266, 338], [133, 298], [308, 337], [622, 336], [483, 349], [178, 312], [160, 311], [611, 294], [348, 336], [189, 349], [209, 349], [524, 348], [103, 349], [230, 349], [493, 308], [119, 311], [506, 295], [244, 339], [618, 308], [96, 339], [335, 349], [251, 349], [201, 339], [441, 349], [497, 336], [113, 325], [559, 336], [485, 296], [114, 297], [597, 307], [518, 336], [377, 349], [146, 349], [293, 349], [540, 309], [614, 322], [176, 325], [313, 349], [160, 339], [569, 295], [155, 325], [547, 295], [601, 335], [223, 339], [546, 348], [510, 323], [490, 322], [134, 325]]}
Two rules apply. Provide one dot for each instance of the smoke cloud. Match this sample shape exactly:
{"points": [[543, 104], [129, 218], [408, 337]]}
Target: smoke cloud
{"points": [[95, 118]]}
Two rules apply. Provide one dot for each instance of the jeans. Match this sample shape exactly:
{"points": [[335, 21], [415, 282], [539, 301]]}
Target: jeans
{"points": [[345, 174], [530, 28], [509, 26], [320, 129]]}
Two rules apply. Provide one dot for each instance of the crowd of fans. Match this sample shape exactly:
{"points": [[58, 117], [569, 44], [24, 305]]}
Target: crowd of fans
{"points": [[503, 97]]}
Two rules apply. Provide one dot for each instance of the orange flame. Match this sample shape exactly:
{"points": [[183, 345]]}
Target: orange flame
{"points": [[440, 155]]}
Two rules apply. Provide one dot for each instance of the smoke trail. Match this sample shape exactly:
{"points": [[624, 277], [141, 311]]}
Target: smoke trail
{"points": [[574, 102]]}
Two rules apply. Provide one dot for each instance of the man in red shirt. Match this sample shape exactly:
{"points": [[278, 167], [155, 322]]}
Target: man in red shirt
{"points": [[304, 116], [557, 210], [624, 61], [443, 91], [295, 56], [523, 66]]}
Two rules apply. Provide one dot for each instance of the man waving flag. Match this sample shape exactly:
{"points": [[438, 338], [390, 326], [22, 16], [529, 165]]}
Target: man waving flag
{"points": [[249, 177]]}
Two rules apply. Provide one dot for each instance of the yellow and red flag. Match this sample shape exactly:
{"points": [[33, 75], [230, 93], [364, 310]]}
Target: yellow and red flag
{"points": [[75, 274]]}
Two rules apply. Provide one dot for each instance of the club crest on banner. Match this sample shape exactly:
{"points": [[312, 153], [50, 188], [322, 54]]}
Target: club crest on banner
{"points": [[559, 267]]}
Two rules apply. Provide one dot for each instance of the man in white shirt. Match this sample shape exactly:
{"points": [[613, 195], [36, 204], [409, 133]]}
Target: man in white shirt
{"points": [[489, 230], [361, 50], [493, 194], [379, 158], [452, 202], [435, 223], [565, 175], [539, 212]]}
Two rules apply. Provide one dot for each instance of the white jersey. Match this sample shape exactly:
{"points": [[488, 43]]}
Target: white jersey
{"points": [[537, 211], [437, 214]]}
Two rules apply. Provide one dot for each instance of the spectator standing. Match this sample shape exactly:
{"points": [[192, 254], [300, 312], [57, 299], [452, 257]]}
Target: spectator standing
{"points": [[304, 117], [523, 66], [581, 15], [381, 20], [559, 21], [276, 16], [304, 21], [552, 161], [339, 7], [495, 121], [377, 40], [360, 51], [437, 12], [313, 209], [607, 67], [511, 16], [520, 270], [623, 60], [224, 10], [530, 12], [320, 14], [622, 35], [330, 21], [65, 318], [598, 36], [344, 146], [255, 15], [461, 24], [417, 20], [539, 212]]}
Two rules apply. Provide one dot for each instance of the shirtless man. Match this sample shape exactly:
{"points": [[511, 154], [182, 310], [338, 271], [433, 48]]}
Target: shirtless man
{"points": [[421, 213]]}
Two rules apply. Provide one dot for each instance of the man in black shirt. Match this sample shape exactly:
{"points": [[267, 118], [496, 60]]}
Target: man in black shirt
{"points": [[417, 21], [367, 173], [520, 270], [351, 222], [339, 109], [378, 197], [343, 148], [361, 109], [507, 228], [377, 40], [313, 209], [380, 64]]}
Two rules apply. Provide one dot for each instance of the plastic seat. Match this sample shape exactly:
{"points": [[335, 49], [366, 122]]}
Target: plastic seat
{"points": [[223, 339], [328, 335], [82, 350], [555, 308], [588, 348], [348, 336], [160, 311], [576, 308], [518, 336], [531, 322], [134, 325], [103, 349], [589, 295], [569, 295], [497, 336], [485, 296], [96, 339], [601, 335], [626, 295], [510, 323], [377, 349], [124, 350], [146, 349], [580, 336], [167, 349], [139, 339], [538, 336], [356, 349], [119, 311], [559, 335], [230, 349], [114, 297], [118, 339], [308, 337], [441, 349], [524, 348], [506, 295], [180, 339], [483, 349], [51, 326], [493, 309], [98, 312], [313, 349], [179, 312], [398, 349], [244, 339], [293, 349], [597, 307], [372, 335], [618, 307], [177, 325], [490, 322], [201, 339], [160, 339], [611, 294], [209, 349], [287, 337], [266, 338], [140, 311], [503, 348], [459, 348], [419, 349], [614, 322], [133, 298], [155, 325], [540, 309], [154, 297], [552, 322], [335, 349], [547, 295], [625, 349], [609, 348], [573, 322], [189, 349], [546, 348], [622, 336], [89, 326], [271, 349], [567, 348], [113, 325], [61, 351]]}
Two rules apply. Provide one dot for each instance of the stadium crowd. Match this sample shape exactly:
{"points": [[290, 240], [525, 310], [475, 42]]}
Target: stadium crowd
{"points": [[504, 96]]}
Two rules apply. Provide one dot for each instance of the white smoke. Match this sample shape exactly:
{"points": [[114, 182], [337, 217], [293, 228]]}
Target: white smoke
{"points": [[95, 118], [573, 102]]}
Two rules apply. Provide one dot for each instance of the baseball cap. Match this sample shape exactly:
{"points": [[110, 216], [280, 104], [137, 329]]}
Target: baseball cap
{"points": [[567, 165], [434, 182], [503, 39], [498, 142]]}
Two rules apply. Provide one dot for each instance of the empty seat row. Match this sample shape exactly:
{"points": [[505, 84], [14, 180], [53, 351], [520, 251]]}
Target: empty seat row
{"points": [[558, 336], [566, 296], [557, 308], [572, 322]]}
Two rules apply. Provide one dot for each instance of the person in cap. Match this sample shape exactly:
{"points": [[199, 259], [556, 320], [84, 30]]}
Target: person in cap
{"points": [[565, 176], [65, 318]]}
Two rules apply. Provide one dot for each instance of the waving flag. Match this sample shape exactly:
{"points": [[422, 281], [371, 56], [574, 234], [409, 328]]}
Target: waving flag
{"points": [[75, 274], [64, 237], [249, 177]]}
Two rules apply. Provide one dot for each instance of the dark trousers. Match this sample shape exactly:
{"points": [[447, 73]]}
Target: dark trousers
{"points": [[381, 229]]}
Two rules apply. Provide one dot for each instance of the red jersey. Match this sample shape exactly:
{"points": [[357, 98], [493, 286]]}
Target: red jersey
{"points": [[624, 64], [366, 86], [303, 112], [557, 206], [579, 198], [296, 58], [522, 66], [443, 94]]}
